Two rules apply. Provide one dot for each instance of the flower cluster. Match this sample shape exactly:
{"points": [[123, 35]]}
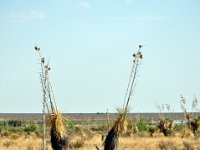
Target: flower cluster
{"points": [[139, 54], [37, 48]]}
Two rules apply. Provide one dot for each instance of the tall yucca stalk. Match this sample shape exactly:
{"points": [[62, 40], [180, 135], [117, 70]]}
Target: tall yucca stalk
{"points": [[193, 122], [56, 120], [120, 125]]}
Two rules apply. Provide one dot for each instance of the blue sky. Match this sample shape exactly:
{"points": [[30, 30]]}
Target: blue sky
{"points": [[90, 46]]}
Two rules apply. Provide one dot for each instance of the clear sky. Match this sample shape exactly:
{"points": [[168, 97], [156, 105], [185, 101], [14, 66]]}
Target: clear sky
{"points": [[90, 45]]}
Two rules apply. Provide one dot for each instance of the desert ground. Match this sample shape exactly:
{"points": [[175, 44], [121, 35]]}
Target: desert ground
{"points": [[87, 132]]}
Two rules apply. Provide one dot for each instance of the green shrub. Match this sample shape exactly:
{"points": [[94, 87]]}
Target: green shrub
{"points": [[30, 128], [142, 125], [70, 125]]}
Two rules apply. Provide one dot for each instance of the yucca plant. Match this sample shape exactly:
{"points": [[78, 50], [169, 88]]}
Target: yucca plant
{"points": [[120, 125], [165, 122], [193, 123], [111, 141], [165, 125], [57, 128]]}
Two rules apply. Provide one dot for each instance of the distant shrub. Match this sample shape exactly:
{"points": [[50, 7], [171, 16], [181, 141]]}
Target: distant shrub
{"points": [[70, 126], [30, 128], [142, 125], [15, 123]]}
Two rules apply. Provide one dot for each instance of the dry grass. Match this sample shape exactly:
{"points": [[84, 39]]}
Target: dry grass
{"points": [[145, 143], [32, 142]]}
